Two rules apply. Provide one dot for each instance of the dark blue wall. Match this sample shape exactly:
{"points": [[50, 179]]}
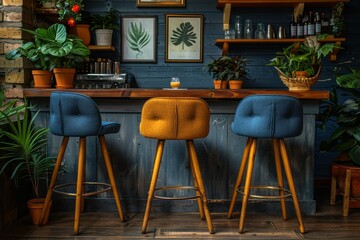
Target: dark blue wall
{"points": [[192, 75]]}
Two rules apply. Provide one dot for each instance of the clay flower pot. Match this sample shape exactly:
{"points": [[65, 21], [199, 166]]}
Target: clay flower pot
{"points": [[42, 78], [64, 77]]}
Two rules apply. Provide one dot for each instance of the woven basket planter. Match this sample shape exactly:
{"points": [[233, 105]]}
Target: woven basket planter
{"points": [[299, 84]]}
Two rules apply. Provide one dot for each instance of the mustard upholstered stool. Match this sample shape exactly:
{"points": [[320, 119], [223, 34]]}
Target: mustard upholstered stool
{"points": [[267, 116], [176, 119], [77, 115]]}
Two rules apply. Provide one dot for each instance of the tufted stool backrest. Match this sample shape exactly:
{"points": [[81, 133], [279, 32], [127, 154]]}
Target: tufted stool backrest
{"points": [[73, 115], [175, 118], [268, 116]]}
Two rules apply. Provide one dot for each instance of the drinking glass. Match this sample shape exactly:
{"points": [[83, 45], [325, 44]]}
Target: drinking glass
{"points": [[175, 82]]}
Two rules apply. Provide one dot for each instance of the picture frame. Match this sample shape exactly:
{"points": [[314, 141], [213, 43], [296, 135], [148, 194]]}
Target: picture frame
{"points": [[184, 50], [160, 3], [132, 50]]}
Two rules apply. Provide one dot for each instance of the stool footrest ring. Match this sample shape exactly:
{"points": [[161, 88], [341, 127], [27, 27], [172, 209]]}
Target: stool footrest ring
{"points": [[176, 187], [240, 190], [106, 187]]}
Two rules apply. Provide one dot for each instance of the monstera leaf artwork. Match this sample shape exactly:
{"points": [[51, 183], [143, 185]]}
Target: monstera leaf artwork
{"points": [[137, 38], [184, 35]]}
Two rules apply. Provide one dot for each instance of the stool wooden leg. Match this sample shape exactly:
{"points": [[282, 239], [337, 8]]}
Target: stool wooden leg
{"points": [[333, 189], [291, 184], [195, 164], [156, 168], [198, 194], [239, 177], [59, 159], [79, 183], [347, 193], [250, 168], [110, 172], [279, 176]]}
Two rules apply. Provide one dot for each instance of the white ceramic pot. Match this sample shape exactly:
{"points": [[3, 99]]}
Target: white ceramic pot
{"points": [[103, 37]]}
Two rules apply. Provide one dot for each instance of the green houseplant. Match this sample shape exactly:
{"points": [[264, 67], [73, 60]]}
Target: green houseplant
{"points": [[24, 159], [226, 68], [104, 26]]}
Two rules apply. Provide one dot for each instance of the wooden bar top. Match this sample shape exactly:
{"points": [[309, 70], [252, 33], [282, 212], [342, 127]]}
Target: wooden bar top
{"points": [[140, 93]]}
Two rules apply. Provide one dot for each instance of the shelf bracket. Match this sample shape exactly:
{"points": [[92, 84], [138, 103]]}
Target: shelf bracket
{"points": [[225, 49], [226, 16]]}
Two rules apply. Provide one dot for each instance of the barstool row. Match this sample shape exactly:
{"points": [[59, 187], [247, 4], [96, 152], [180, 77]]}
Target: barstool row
{"points": [[184, 118]]}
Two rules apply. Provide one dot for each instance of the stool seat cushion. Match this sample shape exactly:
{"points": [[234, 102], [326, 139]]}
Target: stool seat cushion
{"points": [[175, 118], [77, 115], [268, 116]]}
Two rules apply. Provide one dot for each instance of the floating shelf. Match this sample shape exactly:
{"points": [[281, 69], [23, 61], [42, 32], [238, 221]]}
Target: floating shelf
{"points": [[101, 48]]}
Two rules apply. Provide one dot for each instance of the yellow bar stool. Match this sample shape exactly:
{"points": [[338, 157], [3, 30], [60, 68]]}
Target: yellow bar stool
{"points": [[77, 115], [176, 119], [267, 116]]}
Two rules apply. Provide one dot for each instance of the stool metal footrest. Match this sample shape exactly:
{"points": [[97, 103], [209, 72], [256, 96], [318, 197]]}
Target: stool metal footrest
{"points": [[239, 190], [106, 187], [176, 187]]}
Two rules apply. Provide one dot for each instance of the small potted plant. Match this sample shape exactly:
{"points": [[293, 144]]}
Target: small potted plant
{"points": [[299, 65], [104, 26], [228, 69]]}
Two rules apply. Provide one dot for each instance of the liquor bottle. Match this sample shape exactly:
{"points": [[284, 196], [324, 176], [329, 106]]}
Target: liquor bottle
{"points": [[324, 23], [317, 23], [292, 27], [299, 27], [238, 27], [305, 25], [311, 25]]}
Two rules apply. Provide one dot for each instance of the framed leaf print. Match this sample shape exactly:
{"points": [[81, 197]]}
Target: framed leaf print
{"points": [[184, 38], [160, 3], [139, 39]]}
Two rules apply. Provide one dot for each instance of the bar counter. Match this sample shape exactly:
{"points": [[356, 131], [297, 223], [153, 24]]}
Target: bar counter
{"points": [[219, 153]]}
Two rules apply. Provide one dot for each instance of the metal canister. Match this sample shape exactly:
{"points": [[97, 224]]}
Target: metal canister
{"points": [[96, 67], [116, 67], [108, 67], [102, 67]]}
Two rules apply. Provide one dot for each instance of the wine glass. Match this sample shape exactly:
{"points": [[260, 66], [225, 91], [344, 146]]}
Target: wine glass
{"points": [[175, 83]]}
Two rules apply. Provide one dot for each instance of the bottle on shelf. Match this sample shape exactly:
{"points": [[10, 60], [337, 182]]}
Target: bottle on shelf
{"points": [[299, 27], [305, 25], [311, 25], [324, 23], [292, 27], [238, 27], [248, 30], [317, 23]]}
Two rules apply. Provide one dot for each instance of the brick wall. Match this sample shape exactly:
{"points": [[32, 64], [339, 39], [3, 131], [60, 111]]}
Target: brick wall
{"points": [[14, 15]]}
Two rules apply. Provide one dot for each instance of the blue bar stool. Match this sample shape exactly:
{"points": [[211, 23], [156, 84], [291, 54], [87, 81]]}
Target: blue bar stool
{"points": [[77, 115], [267, 116], [176, 119]]}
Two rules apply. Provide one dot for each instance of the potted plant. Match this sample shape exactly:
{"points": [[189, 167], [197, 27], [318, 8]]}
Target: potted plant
{"points": [[65, 51], [24, 160], [104, 26], [343, 113], [299, 65], [228, 69], [70, 11]]}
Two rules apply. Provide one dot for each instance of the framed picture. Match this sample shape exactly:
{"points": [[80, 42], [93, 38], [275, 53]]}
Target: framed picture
{"points": [[139, 39], [160, 3], [184, 38]]}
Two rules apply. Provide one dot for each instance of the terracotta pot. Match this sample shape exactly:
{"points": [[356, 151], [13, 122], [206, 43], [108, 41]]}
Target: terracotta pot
{"points": [[103, 37], [35, 207], [300, 74], [224, 84], [217, 84], [64, 77], [82, 31], [42, 78], [235, 84]]}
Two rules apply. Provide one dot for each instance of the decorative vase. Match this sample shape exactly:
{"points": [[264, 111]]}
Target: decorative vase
{"points": [[103, 37], [64, 77], [42, 78], [235, 84], [299, 83], [35, 207], [82, 31]]}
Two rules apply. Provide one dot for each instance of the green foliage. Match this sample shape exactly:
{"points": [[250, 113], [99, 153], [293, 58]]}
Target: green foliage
{"points": [[23, 146], [138, 38], [228, 68], [107, 21], [9, 108], [345, 115], [184, 34]]}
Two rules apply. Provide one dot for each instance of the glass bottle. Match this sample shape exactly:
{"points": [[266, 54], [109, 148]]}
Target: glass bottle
{"points": [[324, 23], [238, 27], [311, 25], [317, 23], [299, 28], [292, 27], [260, 31], [305, 25], [248, 30]]}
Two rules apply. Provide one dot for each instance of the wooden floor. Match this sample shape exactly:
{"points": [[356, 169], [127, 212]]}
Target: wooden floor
{"points": [[327, 223]]}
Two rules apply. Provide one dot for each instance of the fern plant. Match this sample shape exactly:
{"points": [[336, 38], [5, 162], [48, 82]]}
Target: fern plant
{"points": [[138, 38], [185, 35]]}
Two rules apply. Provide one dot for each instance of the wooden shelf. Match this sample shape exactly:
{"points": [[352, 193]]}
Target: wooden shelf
{"points": [[94, 48], [278, 3]]}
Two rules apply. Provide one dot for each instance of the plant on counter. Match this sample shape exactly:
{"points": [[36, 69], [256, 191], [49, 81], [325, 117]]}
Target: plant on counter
{"points": [[345, 114], [304, 57], [227, 68], [70, 11]]}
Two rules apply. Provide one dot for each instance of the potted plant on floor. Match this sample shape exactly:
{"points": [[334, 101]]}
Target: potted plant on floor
{"points": [[344, 115], [104, 26], [299, 65], [228, 69], [24, 159]]}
